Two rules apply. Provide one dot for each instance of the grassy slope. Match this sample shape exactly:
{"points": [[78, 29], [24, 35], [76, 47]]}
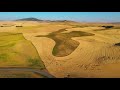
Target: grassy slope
{"points": [[64, 44], [15, 51]]}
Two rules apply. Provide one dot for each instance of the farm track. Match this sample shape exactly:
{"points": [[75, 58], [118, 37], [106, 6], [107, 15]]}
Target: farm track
{"points": [[40, 72]]}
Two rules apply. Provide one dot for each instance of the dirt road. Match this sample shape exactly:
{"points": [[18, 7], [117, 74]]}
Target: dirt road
{"points": [[41, 72]]}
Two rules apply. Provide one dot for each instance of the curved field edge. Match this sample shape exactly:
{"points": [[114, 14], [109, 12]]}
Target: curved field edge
{"points": [[16, 51], [36, 62], [65, 45]]}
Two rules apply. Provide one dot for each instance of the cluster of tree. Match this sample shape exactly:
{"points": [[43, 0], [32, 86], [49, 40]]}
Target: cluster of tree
{"points": [[107, 27], [19, 26]]}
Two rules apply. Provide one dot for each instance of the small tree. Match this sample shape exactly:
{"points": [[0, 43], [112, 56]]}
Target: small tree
{"points": [[107, 27], [18, 26]]}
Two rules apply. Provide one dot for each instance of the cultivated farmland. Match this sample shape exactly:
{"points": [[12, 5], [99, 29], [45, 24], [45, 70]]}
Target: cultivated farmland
{"points": [[60, 49]]}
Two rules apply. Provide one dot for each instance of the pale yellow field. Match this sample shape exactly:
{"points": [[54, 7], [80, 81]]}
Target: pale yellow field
{"points": [[96, 56]]}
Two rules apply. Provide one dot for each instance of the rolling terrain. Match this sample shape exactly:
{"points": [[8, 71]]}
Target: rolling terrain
{"points": [[65, 49]]}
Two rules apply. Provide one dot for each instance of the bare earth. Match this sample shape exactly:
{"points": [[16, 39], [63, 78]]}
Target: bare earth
{"points": [[96, 56]]}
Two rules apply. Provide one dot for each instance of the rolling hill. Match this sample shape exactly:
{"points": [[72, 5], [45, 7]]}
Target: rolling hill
{"points": [[35, 19], [29, 19]]}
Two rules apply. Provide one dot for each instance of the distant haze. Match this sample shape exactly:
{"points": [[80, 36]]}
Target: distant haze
{"points": [[74, 16]]}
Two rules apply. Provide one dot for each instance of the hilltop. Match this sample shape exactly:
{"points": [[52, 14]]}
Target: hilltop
{"points": [[29, 19], [35, 19]]}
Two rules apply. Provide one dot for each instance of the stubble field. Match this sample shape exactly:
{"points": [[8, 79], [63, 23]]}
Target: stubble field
{"points": [[66, 49]]}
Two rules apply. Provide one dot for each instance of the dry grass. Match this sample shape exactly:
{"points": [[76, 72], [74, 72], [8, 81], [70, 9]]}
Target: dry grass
{"points": [[95, 56]]}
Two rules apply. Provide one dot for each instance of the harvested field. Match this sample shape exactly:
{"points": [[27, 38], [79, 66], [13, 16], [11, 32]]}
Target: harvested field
{"points": [[67, 49], [64, 44]]}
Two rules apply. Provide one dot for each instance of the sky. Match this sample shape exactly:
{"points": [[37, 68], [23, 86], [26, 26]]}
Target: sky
{"points": [[74, 16]]}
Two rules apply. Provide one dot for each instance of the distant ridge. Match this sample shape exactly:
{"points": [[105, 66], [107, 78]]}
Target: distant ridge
{"points": [[29, 19], [115, 23], [35, 19]]}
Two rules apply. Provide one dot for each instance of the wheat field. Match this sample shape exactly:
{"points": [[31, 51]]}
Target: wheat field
{"points": [[94, 54]]}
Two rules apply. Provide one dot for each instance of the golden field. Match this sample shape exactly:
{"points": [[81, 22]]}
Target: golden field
{"points": [[67, 49]]}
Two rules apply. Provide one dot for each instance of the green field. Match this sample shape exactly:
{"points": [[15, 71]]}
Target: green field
{"points": [[16, 51]]}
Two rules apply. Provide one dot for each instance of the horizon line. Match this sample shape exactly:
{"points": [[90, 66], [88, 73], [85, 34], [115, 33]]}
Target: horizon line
{"points": [[65, 20]]}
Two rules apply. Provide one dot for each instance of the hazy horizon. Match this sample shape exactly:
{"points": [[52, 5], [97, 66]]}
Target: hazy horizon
{"points": [[73, 16]]}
